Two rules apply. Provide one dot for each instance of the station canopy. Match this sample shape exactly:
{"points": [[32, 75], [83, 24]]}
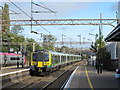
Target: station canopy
{"points": [[114, 36]]}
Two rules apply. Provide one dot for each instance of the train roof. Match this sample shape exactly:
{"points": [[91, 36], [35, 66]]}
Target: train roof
{"points": [[59, 53], [9, 54]]}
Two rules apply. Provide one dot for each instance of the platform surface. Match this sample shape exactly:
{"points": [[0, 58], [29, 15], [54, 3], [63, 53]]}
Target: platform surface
{"points": [[14, 68], [86, 77]]}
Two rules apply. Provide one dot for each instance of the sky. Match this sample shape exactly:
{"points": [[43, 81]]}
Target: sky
{"points": [[89, 9]]}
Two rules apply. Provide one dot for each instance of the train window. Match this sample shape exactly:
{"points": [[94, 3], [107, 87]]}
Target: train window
{"points": [[61, 58], [34, 56], [15, 58], [68, 58], [40, 56], [58, 57], [53, 59], [46, 57], [64, 58], [56, 60]]}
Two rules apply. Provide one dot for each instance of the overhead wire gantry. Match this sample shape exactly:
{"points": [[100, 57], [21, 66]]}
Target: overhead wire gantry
{"points": [[62, 22]]}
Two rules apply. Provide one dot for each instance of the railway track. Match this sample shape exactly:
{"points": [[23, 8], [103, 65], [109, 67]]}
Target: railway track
{"points": [[58, 82], [54, 80]]}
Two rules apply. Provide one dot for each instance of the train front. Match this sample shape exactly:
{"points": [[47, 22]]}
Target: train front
{"points": [[39, 62]]}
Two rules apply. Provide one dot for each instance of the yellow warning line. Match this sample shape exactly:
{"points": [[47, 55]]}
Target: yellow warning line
{"points": [[89, 71], [89, 82]]}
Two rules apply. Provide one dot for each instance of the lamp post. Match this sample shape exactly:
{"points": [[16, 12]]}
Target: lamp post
{"points": [[1, 36], [62, 40], [95, 35], [17, 54], [80, 43], [64, 50], [90, 40], [22, 56], [84, 40], [40, 36], [79, 38], [70, 44], [1, 30]]}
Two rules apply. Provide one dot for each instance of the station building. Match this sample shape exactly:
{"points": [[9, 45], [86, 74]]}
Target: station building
{"points": [[114, 36]]}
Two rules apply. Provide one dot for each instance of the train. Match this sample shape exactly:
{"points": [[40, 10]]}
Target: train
{"points": [[11, 59], [44, 62]]}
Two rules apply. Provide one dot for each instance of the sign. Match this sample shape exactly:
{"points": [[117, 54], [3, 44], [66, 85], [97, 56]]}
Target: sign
{"points": [[11, 49]]}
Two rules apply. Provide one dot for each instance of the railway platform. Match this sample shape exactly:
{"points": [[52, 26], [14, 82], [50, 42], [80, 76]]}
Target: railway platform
{"points": [[86, 78], [14, 68], [9, 73]]}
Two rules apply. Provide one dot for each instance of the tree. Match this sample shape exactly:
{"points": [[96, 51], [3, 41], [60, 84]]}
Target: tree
{"points": [[30, 46], [6, 18], [17, 29], [5, 25], [49, 41], [65, 49], [98, 44], [105, 58]]}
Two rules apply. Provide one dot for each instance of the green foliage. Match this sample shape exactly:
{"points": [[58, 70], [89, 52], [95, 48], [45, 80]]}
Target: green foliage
{"points": [[5, 18], [101, 42], [30, 40], [38, 47], [65, 49], [98, 44], [30, 46], [49, 41], [17, 29], [93, 48], [104, 57]]}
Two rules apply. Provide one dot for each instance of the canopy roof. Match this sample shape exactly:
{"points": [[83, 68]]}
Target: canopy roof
{"points": [[114, 35]]}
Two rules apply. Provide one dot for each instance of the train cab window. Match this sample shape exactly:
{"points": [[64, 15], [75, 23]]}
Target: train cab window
{"points": [[14, 58], [40, 56], [46, 57], [34, 56]]}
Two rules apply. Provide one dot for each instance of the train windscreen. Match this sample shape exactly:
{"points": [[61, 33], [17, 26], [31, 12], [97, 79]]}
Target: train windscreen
{"points": [[46, 57], [41, 56], [34, 56]]}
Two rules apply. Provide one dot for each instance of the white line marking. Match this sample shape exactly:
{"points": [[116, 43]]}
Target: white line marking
{"points": [[1, 75], [70, 79]]}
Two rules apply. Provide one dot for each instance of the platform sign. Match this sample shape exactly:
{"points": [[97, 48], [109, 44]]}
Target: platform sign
{"points": [[11, 50]]}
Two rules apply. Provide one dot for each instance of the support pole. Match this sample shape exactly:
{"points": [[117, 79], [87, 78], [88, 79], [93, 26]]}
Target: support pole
{"points": [[31, 14], [17, 54], [80, 43], [1, 36], [33, 47]]}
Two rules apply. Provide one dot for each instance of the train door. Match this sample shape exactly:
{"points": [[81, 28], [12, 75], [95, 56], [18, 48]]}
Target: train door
{"points": [[40, 59], [46, 59]]}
